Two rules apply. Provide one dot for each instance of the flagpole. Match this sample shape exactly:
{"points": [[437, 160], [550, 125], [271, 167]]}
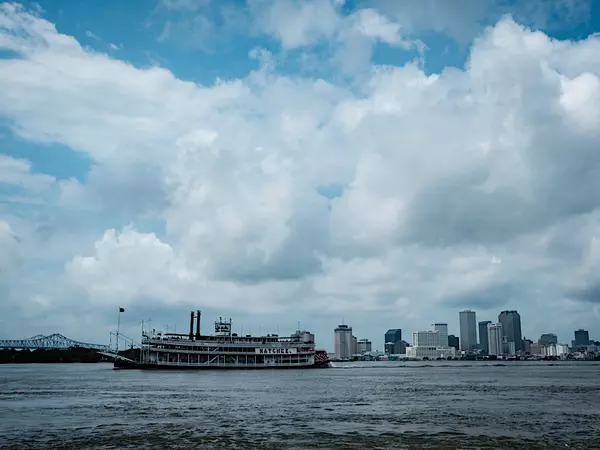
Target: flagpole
{"points": [[142, 343], [118, 329]]}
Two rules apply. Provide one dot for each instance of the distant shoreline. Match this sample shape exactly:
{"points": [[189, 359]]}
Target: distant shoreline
{"points": [[43, 356], [476, 360]]}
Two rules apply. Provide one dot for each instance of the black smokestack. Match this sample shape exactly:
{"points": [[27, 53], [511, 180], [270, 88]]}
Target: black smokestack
{"points": [[198, 324], [192, 325]]}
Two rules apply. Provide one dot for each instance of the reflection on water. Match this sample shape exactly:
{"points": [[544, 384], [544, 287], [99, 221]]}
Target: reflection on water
{"points": [[359, 405]]}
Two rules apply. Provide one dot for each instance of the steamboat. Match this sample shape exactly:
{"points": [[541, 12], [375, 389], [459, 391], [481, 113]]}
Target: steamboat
{"points": [[224, 350]]}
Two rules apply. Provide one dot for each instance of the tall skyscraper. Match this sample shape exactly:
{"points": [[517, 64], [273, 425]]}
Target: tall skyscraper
{"points": [[442, 328], [343, 342], [495, 336], [392, 341], [548, 339], [582, 338], [483, 336], [468, 329], [393, 335], [511, 327]]}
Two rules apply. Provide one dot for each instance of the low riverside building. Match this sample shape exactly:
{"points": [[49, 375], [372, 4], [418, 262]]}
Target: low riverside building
{"points": [[557, 350], [421, 352]]}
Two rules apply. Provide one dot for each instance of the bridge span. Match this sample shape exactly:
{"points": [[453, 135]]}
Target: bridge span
{"points": [[51, 342]]}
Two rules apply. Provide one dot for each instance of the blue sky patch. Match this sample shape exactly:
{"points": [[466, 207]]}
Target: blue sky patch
{"points": [[53, 159]]}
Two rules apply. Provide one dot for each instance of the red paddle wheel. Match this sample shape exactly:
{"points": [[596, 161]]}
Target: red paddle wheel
{"points": [[321, 359]]}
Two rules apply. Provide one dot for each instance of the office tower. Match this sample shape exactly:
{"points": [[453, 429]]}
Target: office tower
{"points": [[508, 348], [442, 328], [363, 346], [468, 330], [395, 348], [454, 342], [582, 338], [527, 346], [427, 339], [483, 336], [427, 344], [400, 348], [548, 339], [343, 342], [391, 339], [393, 335], [354, 346], [495, 338], [511, 327], [304, 336]]}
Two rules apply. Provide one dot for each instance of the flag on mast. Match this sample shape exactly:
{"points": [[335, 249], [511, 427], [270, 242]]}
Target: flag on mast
{"points": [[121, 309]]}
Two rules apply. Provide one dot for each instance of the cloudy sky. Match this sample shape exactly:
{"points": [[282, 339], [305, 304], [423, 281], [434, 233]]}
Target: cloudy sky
{"points": [[385, 162]]}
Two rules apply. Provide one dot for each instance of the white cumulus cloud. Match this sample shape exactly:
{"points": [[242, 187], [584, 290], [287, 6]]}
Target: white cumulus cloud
{"points": [[455, 189]]}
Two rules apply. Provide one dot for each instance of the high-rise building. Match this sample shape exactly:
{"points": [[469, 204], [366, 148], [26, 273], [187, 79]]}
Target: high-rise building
{"points": [[354, 346], [391, 341], [427, 344], [483, 336], [454, 342], [400, 348], [393, 335], [427, 339], [442, 328], [582, 338], [395, 348], [304, 336], [548, 339], [468, 330], [511, 327], [508, 348], [343, 342], [527, 346], [363, 346], [495, 338]]}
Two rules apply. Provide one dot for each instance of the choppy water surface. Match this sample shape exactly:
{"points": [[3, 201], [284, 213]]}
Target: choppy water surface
{"points": [[362, 405]]}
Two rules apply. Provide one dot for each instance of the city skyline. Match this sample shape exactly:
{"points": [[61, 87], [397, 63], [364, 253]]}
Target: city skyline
{"points": [[507, 331], [323, 334]]}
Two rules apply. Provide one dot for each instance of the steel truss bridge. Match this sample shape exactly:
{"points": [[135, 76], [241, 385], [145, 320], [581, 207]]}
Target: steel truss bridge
{"points": [[52, 342]]}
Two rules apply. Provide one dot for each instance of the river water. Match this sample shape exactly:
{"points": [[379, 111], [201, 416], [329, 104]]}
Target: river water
{"points": [[361, 405]]}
